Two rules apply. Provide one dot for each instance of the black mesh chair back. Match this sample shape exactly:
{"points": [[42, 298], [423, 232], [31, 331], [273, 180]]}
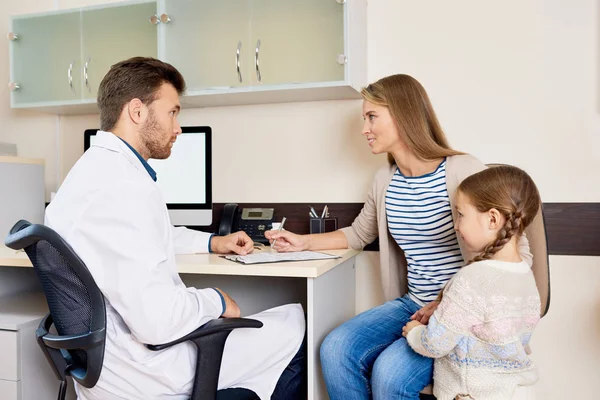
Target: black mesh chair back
{"points": [[76, 305]]}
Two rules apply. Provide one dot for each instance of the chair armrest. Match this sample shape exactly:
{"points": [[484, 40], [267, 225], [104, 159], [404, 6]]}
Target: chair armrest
{"points": [[215, 326], [70, 342]]}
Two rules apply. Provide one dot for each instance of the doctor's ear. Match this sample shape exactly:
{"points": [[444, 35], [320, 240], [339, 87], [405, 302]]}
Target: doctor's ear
{"points": [[136, 111]]}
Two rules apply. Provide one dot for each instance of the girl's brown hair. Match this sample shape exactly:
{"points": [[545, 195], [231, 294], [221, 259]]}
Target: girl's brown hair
{"points": [[413, 113], [509, 190]]}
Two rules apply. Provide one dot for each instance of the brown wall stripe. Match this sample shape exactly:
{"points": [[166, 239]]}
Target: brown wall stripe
{"points": [[572, 228]]}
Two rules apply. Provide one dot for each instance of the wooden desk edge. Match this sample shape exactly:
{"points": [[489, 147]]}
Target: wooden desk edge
{"points": [[289, 269]]}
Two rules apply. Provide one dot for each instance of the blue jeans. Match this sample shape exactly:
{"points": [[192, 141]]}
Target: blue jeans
{"points": [[367, 357]]}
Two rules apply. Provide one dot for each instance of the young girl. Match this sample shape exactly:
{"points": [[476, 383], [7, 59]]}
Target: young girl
{"points": [[479, 334]]}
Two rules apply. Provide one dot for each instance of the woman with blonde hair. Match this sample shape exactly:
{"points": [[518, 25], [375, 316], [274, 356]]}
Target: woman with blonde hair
{"points": [[410, 209]]}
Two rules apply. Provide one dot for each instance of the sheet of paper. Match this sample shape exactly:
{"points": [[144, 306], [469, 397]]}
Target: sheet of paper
{"points": [[271, 257]]}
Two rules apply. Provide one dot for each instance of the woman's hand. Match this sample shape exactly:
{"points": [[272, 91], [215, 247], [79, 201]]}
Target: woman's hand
{"points": [[425, 313], [287, 241], [409, 326]]}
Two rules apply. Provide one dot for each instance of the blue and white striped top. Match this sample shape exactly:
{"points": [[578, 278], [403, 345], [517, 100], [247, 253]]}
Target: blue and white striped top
{"points": [[419, 218]]}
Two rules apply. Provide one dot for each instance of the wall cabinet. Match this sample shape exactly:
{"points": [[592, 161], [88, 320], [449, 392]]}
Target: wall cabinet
{"points": [[230, 52], [57, 60]]}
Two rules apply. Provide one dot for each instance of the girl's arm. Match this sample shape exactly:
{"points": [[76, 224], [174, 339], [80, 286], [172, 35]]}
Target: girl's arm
{"points": [[433, 340], [451, 321]]}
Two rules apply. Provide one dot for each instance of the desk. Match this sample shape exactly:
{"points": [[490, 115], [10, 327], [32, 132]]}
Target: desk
{"points": [[325, 288]]}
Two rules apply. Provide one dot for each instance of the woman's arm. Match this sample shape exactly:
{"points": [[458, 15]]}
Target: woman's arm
{"points": [[288, 241], [363, 231]]}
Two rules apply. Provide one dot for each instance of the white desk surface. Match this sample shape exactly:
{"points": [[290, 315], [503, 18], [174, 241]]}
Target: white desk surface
{"points": [[213, 264], [21, 309]]}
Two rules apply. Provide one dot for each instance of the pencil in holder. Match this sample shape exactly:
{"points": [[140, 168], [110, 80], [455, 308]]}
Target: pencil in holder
{"points": [[322, 225]]}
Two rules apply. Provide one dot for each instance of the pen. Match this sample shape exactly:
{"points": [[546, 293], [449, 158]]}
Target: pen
{"points": [[324, 212], [279, 230], [314, 213]]}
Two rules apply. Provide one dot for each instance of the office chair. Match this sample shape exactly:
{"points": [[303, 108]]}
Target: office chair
{"points": [[538, 246], [78, 313]]}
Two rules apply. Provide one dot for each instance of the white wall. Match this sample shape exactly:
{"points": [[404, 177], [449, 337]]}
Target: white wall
{"points": [[516, 81]]}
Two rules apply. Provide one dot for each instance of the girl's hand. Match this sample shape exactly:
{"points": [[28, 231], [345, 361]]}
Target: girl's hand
{"points": [[409, 326]]}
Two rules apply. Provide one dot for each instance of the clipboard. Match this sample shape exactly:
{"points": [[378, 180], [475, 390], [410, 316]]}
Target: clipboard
{"points": [[274, 257]]}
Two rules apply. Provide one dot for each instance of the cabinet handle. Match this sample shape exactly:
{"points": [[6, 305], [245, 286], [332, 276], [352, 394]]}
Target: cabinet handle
{"points": [[85, 74], [12, 36], [237, 61], [257, 61], [70, 76], [154, 20], [340, 1], [13, 86]]}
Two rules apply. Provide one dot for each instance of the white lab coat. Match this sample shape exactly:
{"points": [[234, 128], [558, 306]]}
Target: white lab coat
{"points": [[114, 216]]}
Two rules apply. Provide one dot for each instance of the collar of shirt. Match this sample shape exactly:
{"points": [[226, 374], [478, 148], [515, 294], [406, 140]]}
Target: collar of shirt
{"points": [[149, 169]]}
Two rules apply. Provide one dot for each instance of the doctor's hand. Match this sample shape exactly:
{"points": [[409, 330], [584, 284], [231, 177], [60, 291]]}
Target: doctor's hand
{"points": [[231, 308], [425, 313], [287, 241], [238, 242]]}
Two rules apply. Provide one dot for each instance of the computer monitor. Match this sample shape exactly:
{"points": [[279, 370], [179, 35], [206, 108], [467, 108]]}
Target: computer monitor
{"points": [[185, 177]]}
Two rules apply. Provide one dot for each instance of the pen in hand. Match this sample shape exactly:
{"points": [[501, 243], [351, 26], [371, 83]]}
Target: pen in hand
{"points": [[278, 230]]}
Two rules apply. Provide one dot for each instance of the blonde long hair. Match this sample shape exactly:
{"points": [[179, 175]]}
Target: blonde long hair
{"points": [[512, 192], [413, 113]]}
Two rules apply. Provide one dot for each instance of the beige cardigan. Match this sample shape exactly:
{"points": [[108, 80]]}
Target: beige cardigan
{"points": [[372, 222]]}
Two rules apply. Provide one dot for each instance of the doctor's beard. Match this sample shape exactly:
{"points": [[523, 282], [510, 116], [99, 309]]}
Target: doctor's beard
{"points": [[152, 133]]}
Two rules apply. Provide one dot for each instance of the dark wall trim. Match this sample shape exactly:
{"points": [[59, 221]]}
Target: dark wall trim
{"points": [[572, 228]]}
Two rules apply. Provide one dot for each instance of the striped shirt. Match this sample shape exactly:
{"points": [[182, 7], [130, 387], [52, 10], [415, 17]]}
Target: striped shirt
{"points": [[419, 218]]}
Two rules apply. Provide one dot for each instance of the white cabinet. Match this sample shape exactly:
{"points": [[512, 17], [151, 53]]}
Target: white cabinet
{"points": [[201, 38], [58, 59], [112, 34], [297, 42], [230, 52], [45, 68], [235, 52], [24, 372]]}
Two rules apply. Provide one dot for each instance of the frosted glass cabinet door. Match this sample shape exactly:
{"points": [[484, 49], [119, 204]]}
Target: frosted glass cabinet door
{"points": [[114, 34], [201, 40], [45, 58], [299, 40]]}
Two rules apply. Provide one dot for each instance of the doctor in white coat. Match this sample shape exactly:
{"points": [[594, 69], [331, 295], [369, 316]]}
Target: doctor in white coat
{"points": [[111, 211]]}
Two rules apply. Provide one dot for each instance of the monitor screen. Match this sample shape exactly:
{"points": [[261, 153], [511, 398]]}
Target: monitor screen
{"points": [[184, 177]]}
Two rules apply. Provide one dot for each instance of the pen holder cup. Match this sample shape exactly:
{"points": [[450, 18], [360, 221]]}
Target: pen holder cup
{"points": [[322, 225]]}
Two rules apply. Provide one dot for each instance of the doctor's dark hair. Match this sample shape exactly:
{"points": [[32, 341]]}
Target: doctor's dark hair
{"points": [[135, 78], [512, 192]]}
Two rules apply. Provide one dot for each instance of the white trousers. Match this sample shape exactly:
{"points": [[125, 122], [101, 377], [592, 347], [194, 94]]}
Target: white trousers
{"points": [[253, 359]]}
